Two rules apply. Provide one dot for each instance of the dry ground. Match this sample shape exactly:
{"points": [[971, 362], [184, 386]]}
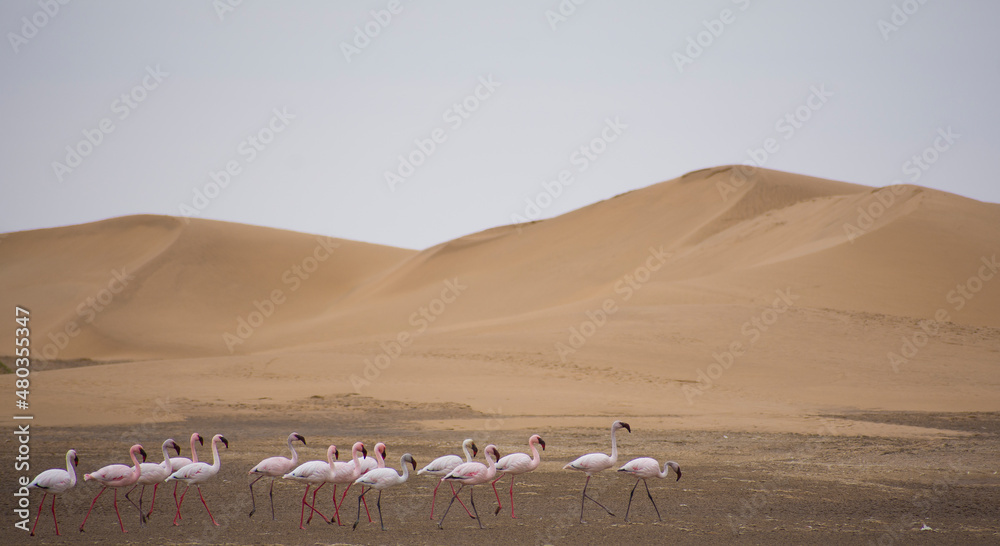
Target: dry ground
{"points": [[744, 488]]}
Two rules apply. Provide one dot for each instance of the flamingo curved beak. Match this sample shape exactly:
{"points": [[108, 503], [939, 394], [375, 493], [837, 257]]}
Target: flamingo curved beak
{"points": [[300, 438], [626, 427], [336, 454], [225, 441], [475, 450], [541, 443], [143, 453], [364, 452], [201, 440], [177, 448], [413, 462]]}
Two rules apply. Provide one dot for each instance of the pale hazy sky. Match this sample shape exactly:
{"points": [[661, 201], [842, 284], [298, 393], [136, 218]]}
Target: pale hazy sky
{"points": [[197, 83]]}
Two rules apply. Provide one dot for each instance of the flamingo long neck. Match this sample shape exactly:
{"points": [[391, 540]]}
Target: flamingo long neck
{"points": [[216, 462], [614, 446], [136, 471], [295, 454], [536, 459], [666, 470], [166, 456], [378, 456], [468, 456], [357, 460], [194, 450], [329, 456], [406, 469], [492, 470], [71, 469]]}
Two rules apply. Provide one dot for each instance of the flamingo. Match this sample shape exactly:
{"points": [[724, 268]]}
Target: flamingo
{"points": [[153, 474], [178, 463], [115, 476], [593, 463], [473, 474], [275, 467], [382, 478], [53, 482], [644, 468], [377, 461], [442, 466], [199, 473], [347, 472], [313, 473], [514, 464]]}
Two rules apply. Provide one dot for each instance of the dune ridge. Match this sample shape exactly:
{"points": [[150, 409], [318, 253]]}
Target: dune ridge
{"points": [[632, 304]]}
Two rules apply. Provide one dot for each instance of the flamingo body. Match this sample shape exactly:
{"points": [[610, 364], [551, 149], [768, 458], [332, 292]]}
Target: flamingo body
{"points": [[382, 478], [515, 464], [472, 474], [593, 463], [442, 466], [116, 476], [54, 482], [644, 468], [275, 467]]}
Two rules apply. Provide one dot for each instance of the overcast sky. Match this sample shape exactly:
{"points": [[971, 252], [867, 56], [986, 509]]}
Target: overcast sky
{"points": [[311, 105]]}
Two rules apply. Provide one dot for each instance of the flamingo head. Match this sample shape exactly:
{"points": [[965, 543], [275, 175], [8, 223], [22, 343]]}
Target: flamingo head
{"points": [[472, 446], [198, 437], [332, 451], [359, 446], [74, 458], [620, 424], [676, 468], [492, 449], [407, 458], [380, 449], [297, 436], [537, 439], [174, 445], [221, 438], [138, 448]]}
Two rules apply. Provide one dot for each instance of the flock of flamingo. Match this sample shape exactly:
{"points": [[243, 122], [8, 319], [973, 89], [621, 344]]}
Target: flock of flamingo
{"points": [[367, 472]]}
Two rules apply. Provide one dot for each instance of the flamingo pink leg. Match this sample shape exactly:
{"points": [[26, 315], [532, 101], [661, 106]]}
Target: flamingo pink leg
{"points": [[40, 506], [455, 495], [342, 497], [181, 502], [103, 489], [206, 507], [151, 504], [177, 504], [313, 505], [512, 497], [494, 484], [120, 524]]}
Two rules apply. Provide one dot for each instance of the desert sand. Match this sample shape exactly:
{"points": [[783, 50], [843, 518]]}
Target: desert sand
{"points": [[733, 318]]}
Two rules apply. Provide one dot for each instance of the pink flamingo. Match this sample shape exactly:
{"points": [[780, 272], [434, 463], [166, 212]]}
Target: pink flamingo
{"points": [[54, 482], [313, 473], [275, 467], [593, 463], [153, 474], [115, 476], [644, 468], [178, 463], [514, 464], [473, 474], [346, 472], [382, 478], [198, 473], [442, 466]]}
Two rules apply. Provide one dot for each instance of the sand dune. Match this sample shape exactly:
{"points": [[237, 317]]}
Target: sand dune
{"points": [[627, 305]]}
